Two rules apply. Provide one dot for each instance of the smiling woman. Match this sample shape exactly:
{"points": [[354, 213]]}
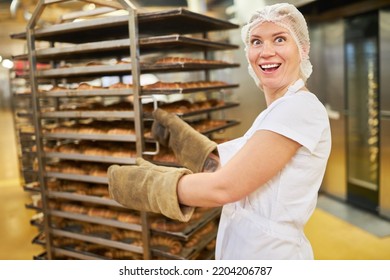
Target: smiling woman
{"points": [[267, 180], [274, 57]]}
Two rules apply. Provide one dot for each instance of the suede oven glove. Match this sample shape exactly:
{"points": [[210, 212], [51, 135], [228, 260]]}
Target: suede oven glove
{"points": [[148, 187], [190, 147]]}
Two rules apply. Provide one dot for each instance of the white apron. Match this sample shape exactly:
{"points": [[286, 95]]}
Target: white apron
{"points": [[254, 228]]}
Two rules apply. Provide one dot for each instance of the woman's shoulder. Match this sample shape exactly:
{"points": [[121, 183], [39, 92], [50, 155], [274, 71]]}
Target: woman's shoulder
{"points": [[302, 100]]}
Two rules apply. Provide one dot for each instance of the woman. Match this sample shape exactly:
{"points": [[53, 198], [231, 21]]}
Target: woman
{"points": [[268, 179]]}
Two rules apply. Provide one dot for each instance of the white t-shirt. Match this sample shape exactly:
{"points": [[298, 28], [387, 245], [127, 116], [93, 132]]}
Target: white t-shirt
{"points": [[268, 224]]}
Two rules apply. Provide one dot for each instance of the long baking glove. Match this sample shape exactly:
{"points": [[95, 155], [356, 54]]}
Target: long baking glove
{"points": [[190, 147], [148, 187]]}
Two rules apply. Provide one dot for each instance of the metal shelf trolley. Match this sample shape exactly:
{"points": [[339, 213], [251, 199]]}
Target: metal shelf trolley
{"points": [[82, 123]]}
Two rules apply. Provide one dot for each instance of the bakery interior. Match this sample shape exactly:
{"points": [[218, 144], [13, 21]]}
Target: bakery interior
{"points": [[55, 148]]}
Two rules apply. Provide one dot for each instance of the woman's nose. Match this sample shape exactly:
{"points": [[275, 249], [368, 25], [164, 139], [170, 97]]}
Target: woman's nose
{"points": [[268, 49]]}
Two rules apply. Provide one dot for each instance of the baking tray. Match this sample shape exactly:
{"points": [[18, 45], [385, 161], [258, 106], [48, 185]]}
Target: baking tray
{"points": [[76, 254], [169, 21], [89, 114], [98, 240], [86, 93], [24, 114], [179, 42], [37, 224], [22, 94], [186, 253], [125, 69], [77, 177], [26, 136], [41, 256], [227, 105], [31, 206], [82, 157], [186, 90], [101, 137], [228, 124], [115, 48], [192, 228], [31, 189], [37, 240], [83, 198], [96, 220]]}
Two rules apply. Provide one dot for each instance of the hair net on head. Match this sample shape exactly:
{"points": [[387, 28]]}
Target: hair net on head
{"points": [[286, 16]]}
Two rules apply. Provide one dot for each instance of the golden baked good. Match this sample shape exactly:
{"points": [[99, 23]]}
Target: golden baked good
{"points": [[73, 208], [68, 148], [129, 218], [198, 236], [184, 85], [120, 85], [162, 85], [174, 59], [86, 86], [99, 190], [211, 245], [167, 225], [101, 212], [166, 244], [93, 63], [74, 186], [58, 88], [90, 228], [126, 255], [181, 106], [128, 235]]}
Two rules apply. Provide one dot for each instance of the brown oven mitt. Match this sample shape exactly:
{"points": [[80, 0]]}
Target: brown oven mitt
{"points": [[190, 147], [148, 187]]}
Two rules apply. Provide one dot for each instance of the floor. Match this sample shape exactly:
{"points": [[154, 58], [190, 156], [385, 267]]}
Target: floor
{"points": [[337, 231], [15, 228]]}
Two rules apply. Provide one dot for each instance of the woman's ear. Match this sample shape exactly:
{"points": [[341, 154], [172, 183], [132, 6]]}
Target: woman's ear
{"points": [[305, 51]]}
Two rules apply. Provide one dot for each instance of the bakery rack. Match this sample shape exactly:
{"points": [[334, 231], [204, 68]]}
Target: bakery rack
{"points": [[71, 208]]}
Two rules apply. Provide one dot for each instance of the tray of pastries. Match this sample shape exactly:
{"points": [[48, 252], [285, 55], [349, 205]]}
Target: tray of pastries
{"points": [[184, 87]]}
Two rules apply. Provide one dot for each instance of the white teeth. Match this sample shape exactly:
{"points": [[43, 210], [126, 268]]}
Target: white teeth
{"points": [[266, 66]]}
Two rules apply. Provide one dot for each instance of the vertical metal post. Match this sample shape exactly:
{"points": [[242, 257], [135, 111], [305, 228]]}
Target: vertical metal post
{"points": [[138, 119], [36, 120]]}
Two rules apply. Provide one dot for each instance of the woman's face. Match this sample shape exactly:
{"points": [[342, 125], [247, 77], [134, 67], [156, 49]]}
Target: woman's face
{"points": [[273, 55]]}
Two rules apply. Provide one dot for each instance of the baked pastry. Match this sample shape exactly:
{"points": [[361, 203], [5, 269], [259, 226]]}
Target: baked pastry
{"points": [[124, 61], [101, 212], [93, 63], [167, 225], [198, 236], [167, 244], [126, 255], [99, 190], [162, 85], [74, 186], [181, 106], [134, 236], [73, 208], [86, 86], [129, 218], [173, 60], [120, 85], [185, 85], [58, 88]]}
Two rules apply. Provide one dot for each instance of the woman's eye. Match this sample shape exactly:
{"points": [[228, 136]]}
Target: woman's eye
{"points": [[280, 40], [255, 42]]}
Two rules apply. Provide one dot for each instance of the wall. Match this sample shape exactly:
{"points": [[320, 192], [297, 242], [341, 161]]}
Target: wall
{"points": [[327, 82]]}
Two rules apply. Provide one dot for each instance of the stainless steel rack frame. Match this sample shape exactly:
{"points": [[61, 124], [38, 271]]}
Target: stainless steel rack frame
{"points": [[109, 37]]}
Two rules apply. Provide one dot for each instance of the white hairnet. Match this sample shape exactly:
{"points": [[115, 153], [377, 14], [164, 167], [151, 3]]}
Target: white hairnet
{"points": [[286, 16]]}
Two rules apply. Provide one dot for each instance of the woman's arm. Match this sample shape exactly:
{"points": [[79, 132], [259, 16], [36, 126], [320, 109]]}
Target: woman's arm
{"points": [[211, 163], [261, 158]]}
